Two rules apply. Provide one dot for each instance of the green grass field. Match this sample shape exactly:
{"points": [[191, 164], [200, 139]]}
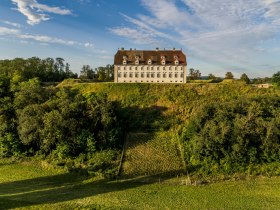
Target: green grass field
{"points": [[28, 186]]}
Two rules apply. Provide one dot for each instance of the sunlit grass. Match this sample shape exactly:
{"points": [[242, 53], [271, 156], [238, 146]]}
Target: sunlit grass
{"points": [[28, 186]]}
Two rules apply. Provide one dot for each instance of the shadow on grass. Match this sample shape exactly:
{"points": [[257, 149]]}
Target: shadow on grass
{"points": [[146, 119], [64, 187]]}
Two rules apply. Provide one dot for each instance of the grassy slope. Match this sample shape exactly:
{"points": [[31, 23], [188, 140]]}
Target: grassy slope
{"points": [[151, 154], [28, 186], [175, 104]]}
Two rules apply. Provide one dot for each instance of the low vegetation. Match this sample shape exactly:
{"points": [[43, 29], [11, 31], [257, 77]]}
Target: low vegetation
{"points": [[26, 185]]}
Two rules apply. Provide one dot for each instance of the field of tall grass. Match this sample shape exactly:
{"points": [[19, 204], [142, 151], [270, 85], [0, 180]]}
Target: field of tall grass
{"points": [[150, 154]]}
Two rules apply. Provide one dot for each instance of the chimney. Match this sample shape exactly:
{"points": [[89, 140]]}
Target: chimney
{"points": [[130, 48], [122, 48], [157, 49], [174, 48]]}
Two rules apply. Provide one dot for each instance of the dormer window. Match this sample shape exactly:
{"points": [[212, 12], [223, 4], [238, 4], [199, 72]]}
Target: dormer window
{"points": [[149, 61], [124, 60], [176, 60], [137, 60], [162, 60]]}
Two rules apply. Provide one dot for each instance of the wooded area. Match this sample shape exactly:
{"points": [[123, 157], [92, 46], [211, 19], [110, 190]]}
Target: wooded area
{"points": [[223, 128]]}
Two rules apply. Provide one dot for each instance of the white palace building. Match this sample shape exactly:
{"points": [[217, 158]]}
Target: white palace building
{"points": [[150, 66]]}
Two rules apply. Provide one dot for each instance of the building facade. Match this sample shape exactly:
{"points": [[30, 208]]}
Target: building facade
{"points": [[150, 66]]}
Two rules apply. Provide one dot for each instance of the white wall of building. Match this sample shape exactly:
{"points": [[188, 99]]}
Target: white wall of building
{"points": [[150, 73]]}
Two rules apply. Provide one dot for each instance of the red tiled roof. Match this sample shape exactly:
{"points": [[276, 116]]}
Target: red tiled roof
{"points": [[154, 55]]}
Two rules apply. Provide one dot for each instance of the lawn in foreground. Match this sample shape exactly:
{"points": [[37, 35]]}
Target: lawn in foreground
{"points": [[25, 185]]}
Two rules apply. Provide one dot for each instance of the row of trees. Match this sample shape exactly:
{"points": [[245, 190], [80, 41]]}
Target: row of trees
{"points": [[100, 74], [195, 74], [47, 70]]}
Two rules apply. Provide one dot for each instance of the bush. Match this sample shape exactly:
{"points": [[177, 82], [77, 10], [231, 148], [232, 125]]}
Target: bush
{"points": [[231, 136]]}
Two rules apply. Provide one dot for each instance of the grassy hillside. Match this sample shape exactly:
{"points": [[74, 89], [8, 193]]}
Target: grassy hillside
{"points": [[179, 110], [28, 186]]}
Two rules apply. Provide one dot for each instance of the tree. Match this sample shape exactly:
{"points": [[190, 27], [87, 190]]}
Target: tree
{"points": [[211, 76], [276, 78], [245, 78], [101, 73], [194, 74], [229, 75], [87, 72]]}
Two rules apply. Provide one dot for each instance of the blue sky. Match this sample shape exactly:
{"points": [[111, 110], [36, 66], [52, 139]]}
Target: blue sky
{"points": [[242, 36]]}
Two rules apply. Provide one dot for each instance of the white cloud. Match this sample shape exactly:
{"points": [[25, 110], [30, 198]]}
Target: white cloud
{"points": [[89, 45], [42, 39], [221, 32], [8, 31], [11, 23], [36, 12]]}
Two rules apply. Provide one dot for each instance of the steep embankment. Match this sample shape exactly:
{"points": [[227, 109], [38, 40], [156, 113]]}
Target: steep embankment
{"points": [[156, 115]]}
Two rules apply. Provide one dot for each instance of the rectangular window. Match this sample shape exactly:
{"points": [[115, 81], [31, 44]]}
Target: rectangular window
{"points": [[124, 75], [170, 68], [158, 68], [182, 75], [170, 75], [158, 75], [142, 75], [119, 75], [152, 75], [136, 75], [175, 75], [152, 68], [130, 68], [148, 75], [130, 75], [136, 68], [119, 68], [164, 75]]}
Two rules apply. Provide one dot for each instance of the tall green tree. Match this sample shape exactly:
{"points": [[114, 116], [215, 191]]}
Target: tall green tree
{"points": [[245, 78], [194, 74], [229, 75], [276, 78], [211, 76], [87, 72]]}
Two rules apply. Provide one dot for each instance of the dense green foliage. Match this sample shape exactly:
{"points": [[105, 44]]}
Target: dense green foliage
{"points": [[232, 126], [47, 70], [58, 123], [245, 78], [229, 75], [227, 127], [276, 78], [231, 136], [101, 74]]}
